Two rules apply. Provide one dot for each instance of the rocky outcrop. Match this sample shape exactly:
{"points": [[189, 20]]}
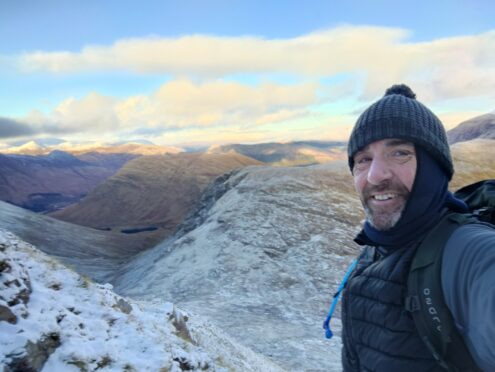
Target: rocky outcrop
{"points": [[33, 355], [15, 291], [210, 196], [15, 288]]}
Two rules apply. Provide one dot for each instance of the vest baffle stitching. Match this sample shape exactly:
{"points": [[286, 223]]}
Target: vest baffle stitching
{"points": [[381, 335]]}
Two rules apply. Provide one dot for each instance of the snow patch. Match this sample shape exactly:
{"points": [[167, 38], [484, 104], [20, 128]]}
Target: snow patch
{"points": [[61, 321]]}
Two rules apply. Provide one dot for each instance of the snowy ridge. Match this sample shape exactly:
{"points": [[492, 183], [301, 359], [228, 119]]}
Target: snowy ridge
{"points": [[52, 319], [260, 259]]}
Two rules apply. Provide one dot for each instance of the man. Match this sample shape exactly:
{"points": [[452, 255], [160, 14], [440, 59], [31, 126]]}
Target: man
{"points": [[401, 163]]}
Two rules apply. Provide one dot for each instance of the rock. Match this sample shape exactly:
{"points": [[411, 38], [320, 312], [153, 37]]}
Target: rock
{"points": [[35, 354], [179, 321], [15, 289], [7, 315], [123, 306]]}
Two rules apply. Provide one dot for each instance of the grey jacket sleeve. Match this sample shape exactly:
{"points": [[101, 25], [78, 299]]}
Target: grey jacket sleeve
{"points": [[468, 282]]}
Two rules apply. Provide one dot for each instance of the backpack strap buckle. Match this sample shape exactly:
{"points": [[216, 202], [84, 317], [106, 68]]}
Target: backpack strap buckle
{"points": [[411, 304]]}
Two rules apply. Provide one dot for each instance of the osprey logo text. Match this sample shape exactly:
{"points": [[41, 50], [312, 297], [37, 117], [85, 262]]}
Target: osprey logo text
{"points": [[432, 310]]}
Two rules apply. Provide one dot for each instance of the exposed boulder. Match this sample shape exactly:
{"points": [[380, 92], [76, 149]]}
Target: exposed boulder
{"points": [[15, 288], [34, 355]]}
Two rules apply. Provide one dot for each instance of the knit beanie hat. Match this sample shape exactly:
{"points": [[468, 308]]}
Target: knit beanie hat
{"points": [[399, 115]]}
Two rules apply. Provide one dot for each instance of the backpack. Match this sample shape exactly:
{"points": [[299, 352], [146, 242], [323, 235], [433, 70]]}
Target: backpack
{"points": [[425, 299]]}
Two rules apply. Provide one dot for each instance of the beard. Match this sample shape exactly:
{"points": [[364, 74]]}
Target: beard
{"points": [[384, 217]]}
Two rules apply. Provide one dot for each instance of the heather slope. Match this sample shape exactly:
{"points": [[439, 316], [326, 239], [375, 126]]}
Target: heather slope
{"points": [[154, 192], [482, 127], [473, 160], [49, 182]]}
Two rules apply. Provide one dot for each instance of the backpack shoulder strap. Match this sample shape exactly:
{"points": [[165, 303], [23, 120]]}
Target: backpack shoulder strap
{"points": [[426, 303]]}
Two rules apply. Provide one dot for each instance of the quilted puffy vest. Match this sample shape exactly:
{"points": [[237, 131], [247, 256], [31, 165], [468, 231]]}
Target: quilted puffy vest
{"points": [[378, 333]]}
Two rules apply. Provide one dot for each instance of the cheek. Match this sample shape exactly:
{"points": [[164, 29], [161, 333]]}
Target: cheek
{"points": [[360, 182]]}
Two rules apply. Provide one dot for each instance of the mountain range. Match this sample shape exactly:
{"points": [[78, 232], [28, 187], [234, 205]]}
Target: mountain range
{"points": [[260, 257], [288, 154], [44, 147], [258, 251]]}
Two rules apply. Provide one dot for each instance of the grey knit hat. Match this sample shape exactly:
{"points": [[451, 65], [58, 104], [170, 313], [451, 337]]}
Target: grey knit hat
{"points": [[399, 115]]}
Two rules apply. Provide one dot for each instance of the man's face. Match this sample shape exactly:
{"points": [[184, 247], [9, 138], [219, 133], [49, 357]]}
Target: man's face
{"points": [[384, 174]]}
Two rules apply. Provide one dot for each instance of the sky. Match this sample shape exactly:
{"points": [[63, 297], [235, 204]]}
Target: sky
{"points": [[198, 73]]}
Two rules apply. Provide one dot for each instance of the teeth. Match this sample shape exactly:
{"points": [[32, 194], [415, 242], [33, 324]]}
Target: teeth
{"points": [[384, 196]]}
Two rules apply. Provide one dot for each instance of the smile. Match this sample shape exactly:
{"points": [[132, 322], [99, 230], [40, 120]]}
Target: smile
{"points": [[384, 196]]}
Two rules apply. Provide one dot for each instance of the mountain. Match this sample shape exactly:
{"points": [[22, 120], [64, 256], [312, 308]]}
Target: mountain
{"points": [[287, 154], [479, 127], [265, 251], [27, 148], [49, 182], [125, 148], [44, 147], [261, 258], [52, 319], [151, 193], [107, 160]]}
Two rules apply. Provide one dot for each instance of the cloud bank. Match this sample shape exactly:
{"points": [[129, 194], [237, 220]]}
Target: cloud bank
{"points": [[204, 96], [449, 67], [176, 105]]}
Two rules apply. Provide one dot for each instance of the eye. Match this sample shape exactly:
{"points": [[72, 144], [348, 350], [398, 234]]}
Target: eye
{"points": [[402, 155], [362, 162]]}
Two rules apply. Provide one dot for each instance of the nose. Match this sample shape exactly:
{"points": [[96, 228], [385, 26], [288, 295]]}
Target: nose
{"points": [[378, 171]]}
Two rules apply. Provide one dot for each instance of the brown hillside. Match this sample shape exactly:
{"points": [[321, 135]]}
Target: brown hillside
{"points": [[46, 183], [473, 161], [151, 191], [479, 127]]}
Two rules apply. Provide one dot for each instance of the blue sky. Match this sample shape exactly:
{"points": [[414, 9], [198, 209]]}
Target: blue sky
{"points": [[205, 72]]}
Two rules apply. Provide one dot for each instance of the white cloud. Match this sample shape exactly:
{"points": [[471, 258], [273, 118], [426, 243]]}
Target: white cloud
{"points": [[180, 104], [320, 53], [199, 101], [444, 68], [94, 112]]}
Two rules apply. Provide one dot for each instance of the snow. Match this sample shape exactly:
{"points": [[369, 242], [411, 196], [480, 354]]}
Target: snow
{"points": [[99, 330], [261, 264], [255, 269]]}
